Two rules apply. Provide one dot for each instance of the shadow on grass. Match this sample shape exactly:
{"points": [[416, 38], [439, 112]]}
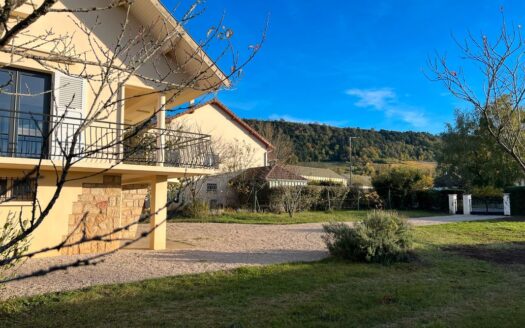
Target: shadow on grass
{"points": [[297, 294], [499, 253], [506, 219], [259, 257]]}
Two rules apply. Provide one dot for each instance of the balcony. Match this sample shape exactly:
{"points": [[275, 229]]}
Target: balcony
{"points": [[29, 135]]}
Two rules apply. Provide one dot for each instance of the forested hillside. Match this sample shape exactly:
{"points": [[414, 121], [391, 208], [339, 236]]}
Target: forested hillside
{"points": [[317, 142]]}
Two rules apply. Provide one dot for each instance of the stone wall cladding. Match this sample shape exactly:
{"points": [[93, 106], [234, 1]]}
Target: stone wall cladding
{"points": [[133, 199], [96, 213]]}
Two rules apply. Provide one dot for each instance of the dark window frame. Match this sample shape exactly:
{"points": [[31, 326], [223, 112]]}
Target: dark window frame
{"points": [[212, 187], [17, 189], [14, 113]]}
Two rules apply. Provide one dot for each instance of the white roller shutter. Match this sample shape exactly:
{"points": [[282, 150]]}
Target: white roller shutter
{"points": [[70, 102]]}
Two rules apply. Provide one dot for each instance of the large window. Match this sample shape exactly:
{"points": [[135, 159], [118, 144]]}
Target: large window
{"points": [[25, 103]]}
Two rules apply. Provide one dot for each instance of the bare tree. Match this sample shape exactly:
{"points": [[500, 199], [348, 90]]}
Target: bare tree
{"points": [[493, 83], [231, 159], [135, 52], [292, 199], [283, 151]]}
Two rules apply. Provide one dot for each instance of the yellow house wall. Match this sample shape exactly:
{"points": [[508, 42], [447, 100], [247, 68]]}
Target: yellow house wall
{"points": [[106, 35], [54, 227]]}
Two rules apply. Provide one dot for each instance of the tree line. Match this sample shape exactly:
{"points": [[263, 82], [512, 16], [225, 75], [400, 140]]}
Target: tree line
{"points": [[319, 142]]}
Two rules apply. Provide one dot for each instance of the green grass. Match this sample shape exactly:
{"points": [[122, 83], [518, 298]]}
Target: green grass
{"points": [[438, 289], [301, 217]]}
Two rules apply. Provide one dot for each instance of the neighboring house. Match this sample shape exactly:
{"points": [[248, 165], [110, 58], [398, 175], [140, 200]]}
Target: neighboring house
{"points": [[316, 174], [116, 197], [218, 193], [274, 176], [236, 147]]}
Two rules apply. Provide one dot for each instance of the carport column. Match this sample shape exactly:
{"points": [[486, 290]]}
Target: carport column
{"points": [[161, 125], [452, 203], [467, 204], [506, 204], [158, 201]]}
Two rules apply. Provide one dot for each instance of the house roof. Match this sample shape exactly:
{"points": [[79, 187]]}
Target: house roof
{"points": [[229, 113], [314, 172], [275, 172], [151, 10]]}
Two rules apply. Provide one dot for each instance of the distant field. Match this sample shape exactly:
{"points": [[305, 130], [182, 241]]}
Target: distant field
{"points": [[419, 165]]}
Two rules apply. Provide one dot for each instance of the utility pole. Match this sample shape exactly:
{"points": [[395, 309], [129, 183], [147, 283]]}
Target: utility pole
{"points": [[350, 157]]}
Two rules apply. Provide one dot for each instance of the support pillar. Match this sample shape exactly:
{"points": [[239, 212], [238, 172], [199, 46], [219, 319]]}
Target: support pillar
{"points": [[161, 125], [452, 203], [506, 204], [158, 217], [467, 204]]}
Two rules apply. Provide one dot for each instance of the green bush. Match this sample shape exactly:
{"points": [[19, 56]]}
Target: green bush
{"points": [[517, 197], [397, 186], [195, 209], [436, 200], [382, 237]]}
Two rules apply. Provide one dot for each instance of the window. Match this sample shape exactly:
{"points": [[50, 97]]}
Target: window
{"points": [[17, 189], [211, 187], [24, 113]]}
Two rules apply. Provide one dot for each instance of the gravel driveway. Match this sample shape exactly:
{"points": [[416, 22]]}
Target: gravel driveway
{"points": [[192, 248]]}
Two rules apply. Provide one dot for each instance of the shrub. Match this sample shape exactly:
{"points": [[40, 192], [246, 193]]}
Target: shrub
{"points": [[397, 185], [382, 237], [436, 200], [517, 195], [195, 209], [363, 199]]}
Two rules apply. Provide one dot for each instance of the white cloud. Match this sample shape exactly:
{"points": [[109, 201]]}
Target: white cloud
{"points": [[386, 100], [377, 98]]}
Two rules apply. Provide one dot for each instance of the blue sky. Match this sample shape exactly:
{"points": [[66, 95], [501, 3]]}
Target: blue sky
{"points": [[349, 63]]}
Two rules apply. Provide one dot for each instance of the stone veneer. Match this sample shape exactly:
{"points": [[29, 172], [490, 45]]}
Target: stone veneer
{"points": [[95, 213], [133, 199], [100, 209]]}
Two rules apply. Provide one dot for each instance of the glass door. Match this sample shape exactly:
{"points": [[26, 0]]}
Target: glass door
{"points": [[24, 116]]}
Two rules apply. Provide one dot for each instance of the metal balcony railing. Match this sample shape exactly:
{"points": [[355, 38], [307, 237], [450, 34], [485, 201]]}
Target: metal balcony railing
{"points": [[30, 135]]}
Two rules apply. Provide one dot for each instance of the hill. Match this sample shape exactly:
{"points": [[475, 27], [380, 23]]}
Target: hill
{"points": [[323, 143]]}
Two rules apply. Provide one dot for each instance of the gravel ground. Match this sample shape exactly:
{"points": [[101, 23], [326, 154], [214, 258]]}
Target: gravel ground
{"points": [[192, 248]]}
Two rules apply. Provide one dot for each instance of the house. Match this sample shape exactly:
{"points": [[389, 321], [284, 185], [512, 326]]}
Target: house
{"points": [[235, 143], [236, 146], [317, 175], [275, 176], [107, 184], [218, 190]]}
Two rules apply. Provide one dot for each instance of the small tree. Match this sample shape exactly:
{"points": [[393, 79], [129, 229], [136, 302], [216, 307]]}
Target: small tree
{"points": [[493, 84], [469, 157], [291, 197], [396, 186]]}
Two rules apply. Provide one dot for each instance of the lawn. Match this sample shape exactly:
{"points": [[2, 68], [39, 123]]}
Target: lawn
{"points": [[283, 218], [451, 283]]}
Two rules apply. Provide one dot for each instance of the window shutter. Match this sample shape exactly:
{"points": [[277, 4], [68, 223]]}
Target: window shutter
{"points": [[69, 96]]}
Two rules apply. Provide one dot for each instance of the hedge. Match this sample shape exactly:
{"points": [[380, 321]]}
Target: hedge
{"points": [[517, 200]]}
